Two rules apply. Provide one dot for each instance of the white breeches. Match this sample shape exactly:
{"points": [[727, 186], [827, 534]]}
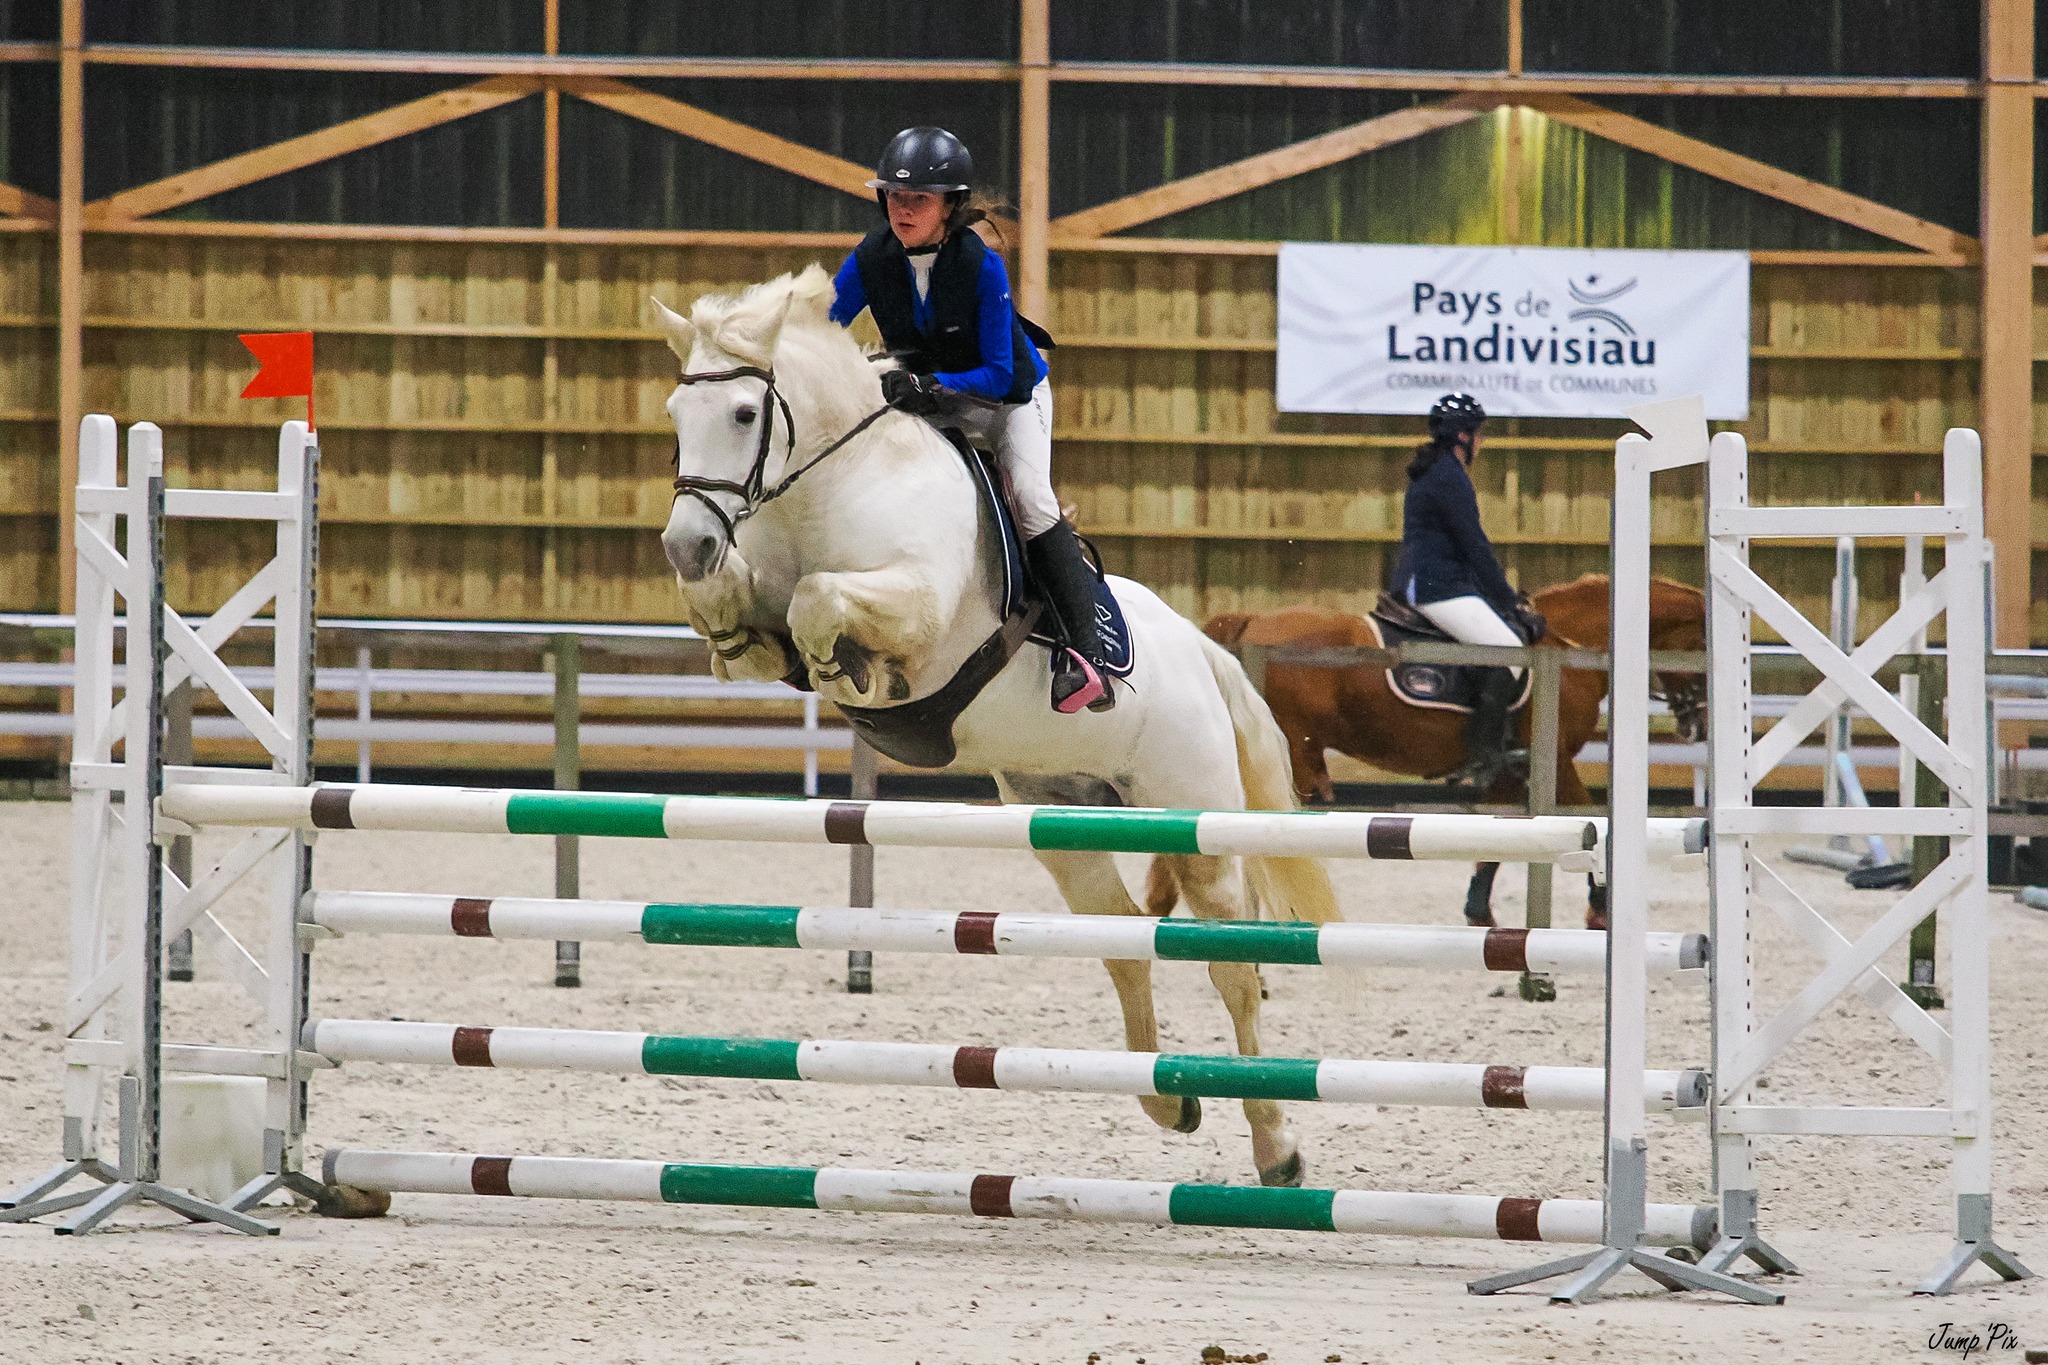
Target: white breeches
{"points": [[1020, 435], [1472, 621]]}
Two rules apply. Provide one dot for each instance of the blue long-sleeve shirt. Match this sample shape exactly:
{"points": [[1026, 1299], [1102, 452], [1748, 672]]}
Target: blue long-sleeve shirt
{"points": [[993, 331], [1444, 549]]}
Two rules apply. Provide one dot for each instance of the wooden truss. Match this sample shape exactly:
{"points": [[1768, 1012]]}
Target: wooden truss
{"points": [[2007, 91]]}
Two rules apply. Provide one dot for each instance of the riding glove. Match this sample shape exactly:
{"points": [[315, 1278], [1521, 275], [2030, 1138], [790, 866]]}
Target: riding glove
{"points": [[917, 394]]}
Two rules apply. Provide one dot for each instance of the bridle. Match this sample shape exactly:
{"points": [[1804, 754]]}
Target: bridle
{"points": [[1684, 693], [752, 493]]}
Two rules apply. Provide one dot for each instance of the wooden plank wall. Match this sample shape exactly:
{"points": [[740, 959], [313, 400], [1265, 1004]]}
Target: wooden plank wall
{"points": [[463, 478]]}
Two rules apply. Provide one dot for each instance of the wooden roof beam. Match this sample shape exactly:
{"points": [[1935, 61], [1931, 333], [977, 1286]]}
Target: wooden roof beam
{"points": [[704, 126], [1879, 219], [16, 202], [701, 125], [1264, 169], [310, 149]]}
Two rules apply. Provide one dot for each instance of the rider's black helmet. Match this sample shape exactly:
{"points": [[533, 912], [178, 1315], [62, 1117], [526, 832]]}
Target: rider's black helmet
{"points": [[1454, 415], [929, 159]]}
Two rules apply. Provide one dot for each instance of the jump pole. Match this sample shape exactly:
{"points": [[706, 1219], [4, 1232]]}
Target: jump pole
{"points": [[1008, 933], [1063, 1070], [1153, 1203], [1565, 840]]}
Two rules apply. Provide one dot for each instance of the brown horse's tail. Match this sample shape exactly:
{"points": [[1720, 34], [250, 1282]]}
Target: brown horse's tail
{"points": [[1286, 888]]}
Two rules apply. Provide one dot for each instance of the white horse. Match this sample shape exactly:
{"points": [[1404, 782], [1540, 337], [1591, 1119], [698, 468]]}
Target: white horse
{"points": [[815, 529]]}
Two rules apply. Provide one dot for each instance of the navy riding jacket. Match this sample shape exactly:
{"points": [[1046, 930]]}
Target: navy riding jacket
{"points": [[1444, 549]]}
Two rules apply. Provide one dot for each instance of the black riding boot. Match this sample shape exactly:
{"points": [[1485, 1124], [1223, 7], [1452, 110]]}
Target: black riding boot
{"points": [[1068, 581], [1487, 754]]}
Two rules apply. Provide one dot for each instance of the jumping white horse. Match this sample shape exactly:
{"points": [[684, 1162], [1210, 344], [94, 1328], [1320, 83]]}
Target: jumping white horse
{"points": [[815, 530]]}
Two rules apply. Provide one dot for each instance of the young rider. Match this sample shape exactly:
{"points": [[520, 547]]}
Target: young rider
{"points": [[1449, 572], [941, 299]]}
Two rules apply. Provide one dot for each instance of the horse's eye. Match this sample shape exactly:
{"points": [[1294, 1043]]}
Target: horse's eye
{"points": [[745, 416]]}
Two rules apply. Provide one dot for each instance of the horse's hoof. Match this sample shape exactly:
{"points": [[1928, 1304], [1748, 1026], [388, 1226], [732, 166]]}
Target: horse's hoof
{"points": [[1175, 1113], [346, 1201], [1286, 1172], [1597, 919], [1485, 921]]}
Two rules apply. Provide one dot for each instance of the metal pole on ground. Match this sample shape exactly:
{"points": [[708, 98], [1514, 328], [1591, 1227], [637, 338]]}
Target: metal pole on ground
{"points": [[363, 713], [178, 751], [1928, 850], [1546, 668], [566, 658], [860, 889]]}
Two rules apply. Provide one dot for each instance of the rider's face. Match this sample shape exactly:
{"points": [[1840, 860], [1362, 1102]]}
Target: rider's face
{"points": [[917, 217], [1468, 445]]}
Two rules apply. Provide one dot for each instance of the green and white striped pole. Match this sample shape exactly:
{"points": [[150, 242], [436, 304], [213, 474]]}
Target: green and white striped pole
{"points": [[1565, 840], [1009, 933], [1006, 1196], [1334, 1080]]}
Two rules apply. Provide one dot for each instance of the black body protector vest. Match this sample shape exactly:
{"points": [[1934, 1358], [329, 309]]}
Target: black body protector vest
{"points": [[954, 343]]}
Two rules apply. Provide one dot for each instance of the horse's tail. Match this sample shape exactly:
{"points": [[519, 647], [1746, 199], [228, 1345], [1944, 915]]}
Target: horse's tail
{"points": [[1288, 888]]}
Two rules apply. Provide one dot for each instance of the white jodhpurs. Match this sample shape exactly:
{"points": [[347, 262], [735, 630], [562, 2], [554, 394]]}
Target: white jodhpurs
{"points": [[1020, 435], [1472, 621]]}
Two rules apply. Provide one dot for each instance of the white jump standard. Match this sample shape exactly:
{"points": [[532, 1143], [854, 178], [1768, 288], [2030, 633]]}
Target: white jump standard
{"points": [[1007, 933], [1157, 1203]]}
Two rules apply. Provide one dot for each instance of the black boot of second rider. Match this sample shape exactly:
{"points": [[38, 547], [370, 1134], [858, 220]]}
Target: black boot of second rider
{"points": [[1488, 754]]}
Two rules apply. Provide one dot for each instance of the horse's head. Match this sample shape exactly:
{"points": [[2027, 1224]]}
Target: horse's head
{"points": [[738, 417]]}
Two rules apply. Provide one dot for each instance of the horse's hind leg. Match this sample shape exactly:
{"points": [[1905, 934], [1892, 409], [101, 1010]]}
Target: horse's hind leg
{"points": [[1091, 885], [1479, 895], [1214, 890]]}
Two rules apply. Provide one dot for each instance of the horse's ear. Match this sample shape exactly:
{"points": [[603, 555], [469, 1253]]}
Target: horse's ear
{"points": [[811, 295], [682, 336], [752, 336]]}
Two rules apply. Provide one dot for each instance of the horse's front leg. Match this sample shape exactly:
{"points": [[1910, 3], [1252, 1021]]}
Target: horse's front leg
{"points": [[1214, 888], [857, 632], [1090, 885], [723, 609]]}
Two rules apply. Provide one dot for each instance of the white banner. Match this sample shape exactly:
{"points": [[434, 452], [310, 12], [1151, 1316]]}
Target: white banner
{"points": [[1529, 331]]}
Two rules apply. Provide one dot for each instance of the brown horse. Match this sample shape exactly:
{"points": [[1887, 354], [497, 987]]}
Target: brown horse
{"points": [[1355, 711]]}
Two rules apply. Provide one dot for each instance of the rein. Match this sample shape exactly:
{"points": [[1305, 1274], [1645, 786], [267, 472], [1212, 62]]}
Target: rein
{"points": [[751, 493]]}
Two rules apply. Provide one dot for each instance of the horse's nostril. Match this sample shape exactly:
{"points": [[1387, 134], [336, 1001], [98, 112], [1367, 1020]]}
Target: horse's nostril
{"points": [[692, 557]]}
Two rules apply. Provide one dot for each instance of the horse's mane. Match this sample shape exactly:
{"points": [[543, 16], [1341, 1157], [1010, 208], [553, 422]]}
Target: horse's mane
{"points": [[1598, 583], [784, 325]]}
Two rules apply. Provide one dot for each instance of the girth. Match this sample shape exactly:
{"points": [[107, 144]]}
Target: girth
{"points": [[920, 733]]}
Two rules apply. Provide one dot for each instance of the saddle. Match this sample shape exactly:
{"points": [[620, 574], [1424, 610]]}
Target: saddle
{"points": [[1436, 687], [920, 733]]}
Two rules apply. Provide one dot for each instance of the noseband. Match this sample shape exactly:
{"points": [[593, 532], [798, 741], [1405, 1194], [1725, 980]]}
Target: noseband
{"points": [[752, 493]]}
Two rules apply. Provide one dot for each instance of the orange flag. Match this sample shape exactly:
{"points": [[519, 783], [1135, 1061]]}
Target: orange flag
{"points": [[284, 367]]}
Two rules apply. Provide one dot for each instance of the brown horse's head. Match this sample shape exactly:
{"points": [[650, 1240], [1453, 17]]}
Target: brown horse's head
{"points": [[1678, 621], [1579, 612]]}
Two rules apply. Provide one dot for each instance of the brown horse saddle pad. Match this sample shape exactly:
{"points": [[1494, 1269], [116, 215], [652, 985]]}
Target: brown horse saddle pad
{"points": [[1438, 687]]}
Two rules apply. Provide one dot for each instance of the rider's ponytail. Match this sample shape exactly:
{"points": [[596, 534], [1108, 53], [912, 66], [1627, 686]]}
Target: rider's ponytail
{"points": [[970, 207], [1427, 454]]}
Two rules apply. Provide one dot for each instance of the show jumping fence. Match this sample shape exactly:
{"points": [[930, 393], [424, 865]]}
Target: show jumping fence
{"points": [[126, 900]]}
